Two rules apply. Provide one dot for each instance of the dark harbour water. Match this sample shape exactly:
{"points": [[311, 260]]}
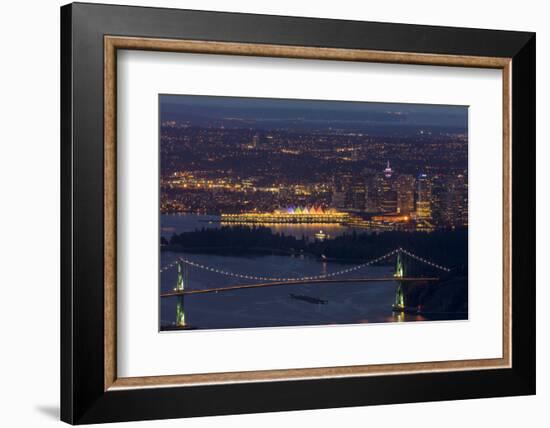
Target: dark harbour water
{"points": [[178, 223], [346, 303]]}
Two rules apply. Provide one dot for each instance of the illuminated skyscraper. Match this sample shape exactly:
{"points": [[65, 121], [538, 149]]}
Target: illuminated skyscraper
{"points": [[338, 199], [358, 195], [423, 198], [405, 194], [457, 197], [450, 201], [389, 194], [389, 201], [462, 199], [374, 193], [255, 141], [343, 184]]}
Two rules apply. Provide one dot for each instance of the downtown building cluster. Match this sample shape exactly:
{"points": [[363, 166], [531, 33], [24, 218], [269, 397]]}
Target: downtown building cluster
{"points": [[387, 200]]}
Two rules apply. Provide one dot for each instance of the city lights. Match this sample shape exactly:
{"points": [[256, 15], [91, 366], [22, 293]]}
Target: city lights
{"points": [[246, 176]]}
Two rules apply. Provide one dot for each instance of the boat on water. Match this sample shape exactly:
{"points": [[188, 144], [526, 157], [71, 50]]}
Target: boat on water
{"points": [[308, 299]]}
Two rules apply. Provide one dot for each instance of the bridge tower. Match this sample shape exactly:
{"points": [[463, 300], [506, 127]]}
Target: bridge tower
{"points": [[399, 266], [182, 277], [180, 286], [399, 304]]}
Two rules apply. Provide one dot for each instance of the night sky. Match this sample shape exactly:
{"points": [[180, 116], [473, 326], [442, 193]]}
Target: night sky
{"points": [[309, 114]]}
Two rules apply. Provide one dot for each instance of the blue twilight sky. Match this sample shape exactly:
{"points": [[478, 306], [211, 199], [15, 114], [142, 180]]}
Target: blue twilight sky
{"points": [[315, 113]]}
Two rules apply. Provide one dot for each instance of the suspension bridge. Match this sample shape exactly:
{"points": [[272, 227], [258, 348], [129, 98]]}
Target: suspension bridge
{"points": [[403, 273]]}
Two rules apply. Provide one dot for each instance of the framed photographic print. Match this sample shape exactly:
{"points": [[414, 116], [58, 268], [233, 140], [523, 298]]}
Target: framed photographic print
{"points": [[265, 213]]}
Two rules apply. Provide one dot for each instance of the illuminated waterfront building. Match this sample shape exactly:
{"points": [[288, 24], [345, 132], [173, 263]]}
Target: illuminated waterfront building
{"points": [[293, 215], [382, 222]]}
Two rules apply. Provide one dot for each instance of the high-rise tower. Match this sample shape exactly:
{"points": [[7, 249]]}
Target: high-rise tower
{"points": [[389, 194], [423, 201], [405, 194]]}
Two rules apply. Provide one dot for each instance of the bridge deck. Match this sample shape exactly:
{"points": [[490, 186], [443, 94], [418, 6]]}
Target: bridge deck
{"points": [[279, 283]]}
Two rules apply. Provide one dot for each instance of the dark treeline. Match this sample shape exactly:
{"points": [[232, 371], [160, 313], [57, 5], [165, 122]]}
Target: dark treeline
{"points": [[446, 247], [449, 296]]}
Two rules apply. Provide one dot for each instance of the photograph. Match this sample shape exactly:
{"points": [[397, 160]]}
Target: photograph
{"points": [[295, 212], [265, 211]]}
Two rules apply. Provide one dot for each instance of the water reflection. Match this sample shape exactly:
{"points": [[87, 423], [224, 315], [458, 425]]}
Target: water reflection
{"points": [[179, 223]]}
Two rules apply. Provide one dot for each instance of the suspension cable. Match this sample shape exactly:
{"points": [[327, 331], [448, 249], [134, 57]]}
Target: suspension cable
{"points": [[303, 278]]}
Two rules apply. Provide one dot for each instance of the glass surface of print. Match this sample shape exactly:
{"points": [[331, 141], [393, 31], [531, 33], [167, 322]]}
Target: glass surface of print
{"points": [[282, 212]]}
